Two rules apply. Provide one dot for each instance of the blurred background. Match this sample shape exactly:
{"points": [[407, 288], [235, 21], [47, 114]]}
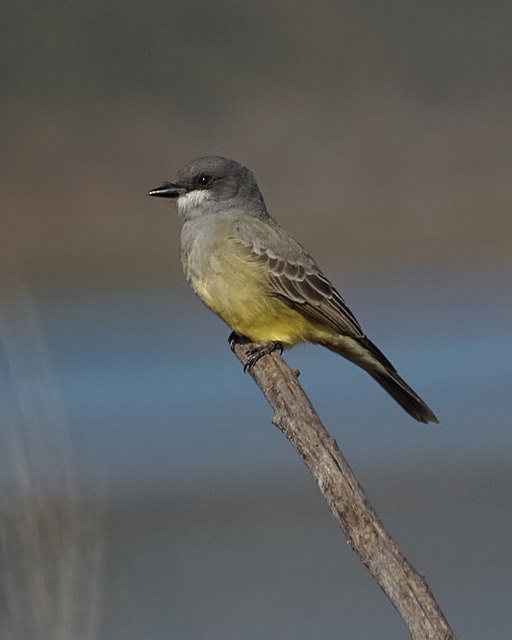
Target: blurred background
{"points": [[144, 491]]}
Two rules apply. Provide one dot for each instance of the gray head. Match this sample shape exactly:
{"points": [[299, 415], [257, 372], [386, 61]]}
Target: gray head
{"points": [[211, 184]]}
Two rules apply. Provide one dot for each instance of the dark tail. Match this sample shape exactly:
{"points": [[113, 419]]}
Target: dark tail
{"points": [[404, 395], [369, 357]]}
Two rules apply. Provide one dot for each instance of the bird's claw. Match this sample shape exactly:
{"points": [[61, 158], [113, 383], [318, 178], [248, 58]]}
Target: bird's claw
{"points": [[233, 338], [253, 355]]}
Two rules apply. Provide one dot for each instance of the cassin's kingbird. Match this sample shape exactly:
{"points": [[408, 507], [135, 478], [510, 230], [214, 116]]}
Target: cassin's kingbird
{"points": [[264, 285]]}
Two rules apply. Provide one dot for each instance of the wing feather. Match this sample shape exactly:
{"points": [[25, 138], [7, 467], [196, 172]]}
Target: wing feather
{"points": [[315, 296], [299, 283]]}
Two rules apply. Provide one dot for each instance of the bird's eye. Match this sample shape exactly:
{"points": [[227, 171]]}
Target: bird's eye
{"points": [[204, 180]]}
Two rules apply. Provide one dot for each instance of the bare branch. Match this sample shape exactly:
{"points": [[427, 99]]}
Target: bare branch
{"points": [[295, 417]]}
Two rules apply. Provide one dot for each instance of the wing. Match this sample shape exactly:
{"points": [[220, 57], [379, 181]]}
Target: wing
{"points": [[312, 293], [294, 277]]}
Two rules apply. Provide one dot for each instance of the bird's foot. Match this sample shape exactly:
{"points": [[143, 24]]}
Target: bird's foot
{"points": [[235, 338], [253, 355]]}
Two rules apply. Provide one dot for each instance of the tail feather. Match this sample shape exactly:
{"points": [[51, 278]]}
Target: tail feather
{"points": [[404, 395], [397, 387], [365, 354]]}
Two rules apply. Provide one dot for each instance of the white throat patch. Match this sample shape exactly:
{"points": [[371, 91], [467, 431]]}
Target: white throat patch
{"points": [[192, 199]]}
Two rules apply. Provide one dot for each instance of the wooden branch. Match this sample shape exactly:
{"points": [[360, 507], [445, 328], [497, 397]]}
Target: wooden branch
{"points": [[295, 417]]}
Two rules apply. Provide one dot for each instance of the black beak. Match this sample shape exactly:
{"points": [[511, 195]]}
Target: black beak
{"points": [[167, 190]]}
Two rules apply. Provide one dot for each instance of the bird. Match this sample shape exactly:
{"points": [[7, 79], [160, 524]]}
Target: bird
{"points": [[260, 281]]}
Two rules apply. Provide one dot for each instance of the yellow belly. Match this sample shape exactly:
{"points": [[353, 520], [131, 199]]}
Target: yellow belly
{"points": [[235, 287]]}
